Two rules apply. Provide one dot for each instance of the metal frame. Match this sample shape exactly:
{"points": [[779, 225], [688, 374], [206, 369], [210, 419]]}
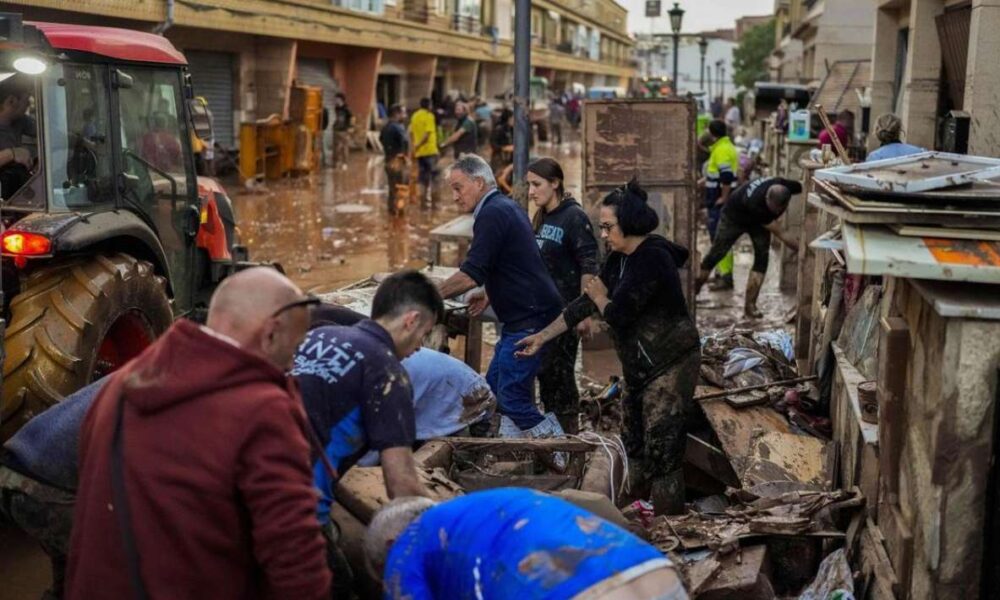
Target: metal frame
{"points": [[860, 176]]}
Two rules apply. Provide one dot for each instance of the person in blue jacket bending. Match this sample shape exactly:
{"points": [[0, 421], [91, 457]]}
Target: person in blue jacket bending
{"points": [[512, 543]]}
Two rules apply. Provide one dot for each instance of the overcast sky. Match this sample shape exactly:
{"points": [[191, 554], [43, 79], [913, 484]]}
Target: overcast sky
{"points": [[699, 15]]}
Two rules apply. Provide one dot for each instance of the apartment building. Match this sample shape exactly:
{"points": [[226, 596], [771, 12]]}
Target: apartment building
{"points": [[814, 34], [245, 54], [932, 57]]}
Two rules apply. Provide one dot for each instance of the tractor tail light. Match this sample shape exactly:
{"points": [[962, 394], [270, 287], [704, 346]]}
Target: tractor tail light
{"points": [[19, 243]]}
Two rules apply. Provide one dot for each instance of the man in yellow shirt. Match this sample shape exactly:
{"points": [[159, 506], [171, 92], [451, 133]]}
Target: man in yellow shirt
{"points": [[423, 133]]}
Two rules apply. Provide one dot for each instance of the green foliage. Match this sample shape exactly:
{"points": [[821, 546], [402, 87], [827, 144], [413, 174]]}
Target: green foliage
{"points": [[750, 57]]}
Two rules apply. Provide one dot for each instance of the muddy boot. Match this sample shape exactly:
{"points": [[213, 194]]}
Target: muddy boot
{"points": [[703, 276], [667, 494], [754, 283], [722, 283]]}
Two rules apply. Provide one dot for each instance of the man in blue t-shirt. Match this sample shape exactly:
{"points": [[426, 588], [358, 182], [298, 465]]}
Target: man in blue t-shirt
{"points": [[356, 392], [504, 258], [512, 543]]}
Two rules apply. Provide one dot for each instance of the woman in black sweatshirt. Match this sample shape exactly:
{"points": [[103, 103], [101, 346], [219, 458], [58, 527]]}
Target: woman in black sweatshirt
{"points": [[566, 240], [639, 295]]}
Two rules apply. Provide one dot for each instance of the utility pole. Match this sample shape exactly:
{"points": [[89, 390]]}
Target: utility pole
{"points": [[722, 82], [708, 77], [522, 96]]}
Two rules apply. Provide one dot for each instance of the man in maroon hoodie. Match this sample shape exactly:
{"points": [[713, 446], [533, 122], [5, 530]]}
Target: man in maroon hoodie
{"points": [[194, 462]]}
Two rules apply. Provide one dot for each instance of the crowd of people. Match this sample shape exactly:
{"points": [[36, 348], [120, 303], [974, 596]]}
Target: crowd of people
{"points": [[208, 465]]}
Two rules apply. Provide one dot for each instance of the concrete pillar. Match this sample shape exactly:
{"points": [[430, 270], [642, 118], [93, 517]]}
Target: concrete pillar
{"points": [[419, 79], [498, 78], [923, 74], [982, 86], [883, 64], [461, 75], [274, 72], [357, 71]]}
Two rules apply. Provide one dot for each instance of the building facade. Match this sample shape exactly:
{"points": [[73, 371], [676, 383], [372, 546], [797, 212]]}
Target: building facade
{"points": [[245, 55], [811, 34], [932, 57]]}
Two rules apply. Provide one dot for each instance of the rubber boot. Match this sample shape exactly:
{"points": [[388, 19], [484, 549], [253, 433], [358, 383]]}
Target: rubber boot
{"points": [[667, 494], [754, 283], [722, 283], [703, 276]]}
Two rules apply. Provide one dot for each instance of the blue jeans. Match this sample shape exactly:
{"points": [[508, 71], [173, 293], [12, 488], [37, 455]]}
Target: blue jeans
{"points": [[512, 380]]}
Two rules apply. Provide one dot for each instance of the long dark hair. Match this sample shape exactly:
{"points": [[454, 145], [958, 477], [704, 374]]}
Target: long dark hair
{"points": [[549, 170]]}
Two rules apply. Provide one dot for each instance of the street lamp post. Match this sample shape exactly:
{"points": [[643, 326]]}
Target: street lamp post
{"points": [[708, 78], [703, 48], [522, 92], [676, 16]]}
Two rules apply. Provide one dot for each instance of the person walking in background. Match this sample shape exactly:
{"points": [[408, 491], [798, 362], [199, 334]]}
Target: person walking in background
{"points": [[733, 117], [889, 133], [465, 138], [569, 249], [194, 477], [557, 114], [639, 295], [395, 145], [343, 120], [502, 141], [423, 135]]}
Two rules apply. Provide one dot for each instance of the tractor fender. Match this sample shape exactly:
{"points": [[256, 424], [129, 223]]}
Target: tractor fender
{"points": [[119, 231]]}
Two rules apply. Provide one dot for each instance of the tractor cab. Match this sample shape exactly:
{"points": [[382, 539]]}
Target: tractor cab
{"points": [[108, 233]]}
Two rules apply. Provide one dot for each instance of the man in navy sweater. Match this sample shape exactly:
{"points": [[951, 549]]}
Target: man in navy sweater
{"points": [[504, 258]]}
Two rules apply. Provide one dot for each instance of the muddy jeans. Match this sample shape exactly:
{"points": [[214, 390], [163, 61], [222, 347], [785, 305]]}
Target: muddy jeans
{"points": [[43, 512], [557, 380], [657, 417], [725, 238]]}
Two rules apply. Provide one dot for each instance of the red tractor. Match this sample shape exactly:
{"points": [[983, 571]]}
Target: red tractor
{"points": [[108, 233]]}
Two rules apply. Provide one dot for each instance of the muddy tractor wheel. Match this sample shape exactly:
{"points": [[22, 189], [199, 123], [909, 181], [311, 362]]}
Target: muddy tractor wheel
{"points": [[74, 322]]}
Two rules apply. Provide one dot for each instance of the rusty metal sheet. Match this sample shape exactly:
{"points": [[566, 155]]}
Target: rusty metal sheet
{"points": [[652, 140]]}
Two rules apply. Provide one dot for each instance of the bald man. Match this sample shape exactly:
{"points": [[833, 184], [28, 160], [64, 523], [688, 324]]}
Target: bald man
{"points": [[194, 462]]}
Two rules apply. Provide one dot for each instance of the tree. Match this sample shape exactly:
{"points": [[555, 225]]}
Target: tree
{"points": [[749, 58]]}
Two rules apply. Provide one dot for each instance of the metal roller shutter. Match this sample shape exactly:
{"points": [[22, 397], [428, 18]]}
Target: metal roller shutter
{"points": [[316, 72], [212, 76]]}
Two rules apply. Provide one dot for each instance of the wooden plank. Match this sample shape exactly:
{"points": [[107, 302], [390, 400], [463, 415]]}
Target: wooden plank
{"points": [[776, 456], [474, 480], [710, 460], [743, 575], [435, 454], [362, 490], [875, 565], [735, 427], [501, 446], [898, 545]]}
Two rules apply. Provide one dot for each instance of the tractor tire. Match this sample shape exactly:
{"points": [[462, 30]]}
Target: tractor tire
{"points": [[73, 322]]}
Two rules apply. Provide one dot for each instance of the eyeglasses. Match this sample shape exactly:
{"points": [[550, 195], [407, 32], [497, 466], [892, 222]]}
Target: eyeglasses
{"points": [[606, 227], [309, 300]]}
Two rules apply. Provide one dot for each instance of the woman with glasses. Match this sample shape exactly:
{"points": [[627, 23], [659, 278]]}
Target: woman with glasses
{"points": [[566, 240], [638, 293]]}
